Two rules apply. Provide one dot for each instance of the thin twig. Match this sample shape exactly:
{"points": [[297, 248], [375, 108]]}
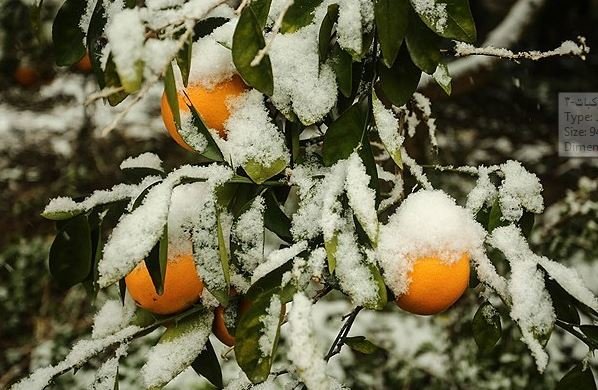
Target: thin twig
{"points": [[275, 29], [339, 341], [241, 6], [104, 93]]}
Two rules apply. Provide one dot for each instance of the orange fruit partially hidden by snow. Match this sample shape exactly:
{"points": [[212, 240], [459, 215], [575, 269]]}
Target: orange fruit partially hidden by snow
{"points": [[219, 327], [182, 286], [209, 103], [26, 76], [435, 285], [84, 64]]}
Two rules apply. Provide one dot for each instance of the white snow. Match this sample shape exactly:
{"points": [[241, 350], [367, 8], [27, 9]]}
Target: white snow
{"points": [[362, 199], [126, 35], [248, 234], [433, 10], [144, 160], [270, 323], [519, 190]]}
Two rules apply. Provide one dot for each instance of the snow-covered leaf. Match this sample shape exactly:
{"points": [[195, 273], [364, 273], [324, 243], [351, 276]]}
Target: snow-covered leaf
{"points": [[443, 78], [448, 18], [211, 151], [177, 349]]}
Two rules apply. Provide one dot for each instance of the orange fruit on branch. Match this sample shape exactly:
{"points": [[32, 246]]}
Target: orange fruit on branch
{"points": [[182, 286], [220, 328], [26, 76], [84, 64], [211, 104], [435, 284]]}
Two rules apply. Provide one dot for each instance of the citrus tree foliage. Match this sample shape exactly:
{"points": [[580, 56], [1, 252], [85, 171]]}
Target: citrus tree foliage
{"points": [[305, 196]]}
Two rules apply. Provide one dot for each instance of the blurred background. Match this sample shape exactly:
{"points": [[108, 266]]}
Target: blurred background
{"points": [[51, 145]]}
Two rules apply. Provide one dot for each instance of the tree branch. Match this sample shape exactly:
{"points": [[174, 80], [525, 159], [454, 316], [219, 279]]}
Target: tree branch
{"points": [[339, 341]]}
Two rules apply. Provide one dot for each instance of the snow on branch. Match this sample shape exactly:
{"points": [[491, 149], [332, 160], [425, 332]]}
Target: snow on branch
{"points": [[567, 48]]}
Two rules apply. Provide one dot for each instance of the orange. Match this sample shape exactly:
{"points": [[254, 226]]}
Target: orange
{"points": [[26, 76], [435, 285], [84, 64], [209, 103], [219, 327], [182, 286]]}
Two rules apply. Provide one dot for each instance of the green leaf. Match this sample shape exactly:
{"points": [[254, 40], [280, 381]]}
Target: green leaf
{"points": [[391, 26], [326, 31], [135, 175], [212, 151], [591, 331], [344, 134], [157, 260], [526, 223], [300, 14], [111, 79], [183, 60], [248, 39], [269, 284], [330, 247], [67, 36], [206, 364], [259, 173], [261, 8], [495, 219], [71, 252], [457, 23], [361, 344], [443, 78], [398, 83], [382, 297], [564, 304], [422, 44], [367, 157], [486, 327], [275, 219], [394, 154], [578, 378], [343, 68], [172, 95]]}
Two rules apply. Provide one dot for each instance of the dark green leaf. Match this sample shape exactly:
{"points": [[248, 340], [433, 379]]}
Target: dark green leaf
{"points": [[578, 378], [156, 262], [300, 14], [564, 304], [391, 26], [67, 36], [326, 31], [212, 151], [206, 364], [248, 39], [495, 219], [141, 197], [526, 223], [456, 24], [486, 327], [172, 95], [206, 26], [270, 284], [361, 344], [122, 290], [367, 156], [261, 8], [398, 83], [343, 68], [591, 331], [275, 219], [344, 134], [423, 45], [135, 175], [183, 60], [71, 252], [96, 41]]}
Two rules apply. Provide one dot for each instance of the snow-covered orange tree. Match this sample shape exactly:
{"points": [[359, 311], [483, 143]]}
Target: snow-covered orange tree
{"points": [[297, 113]]}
